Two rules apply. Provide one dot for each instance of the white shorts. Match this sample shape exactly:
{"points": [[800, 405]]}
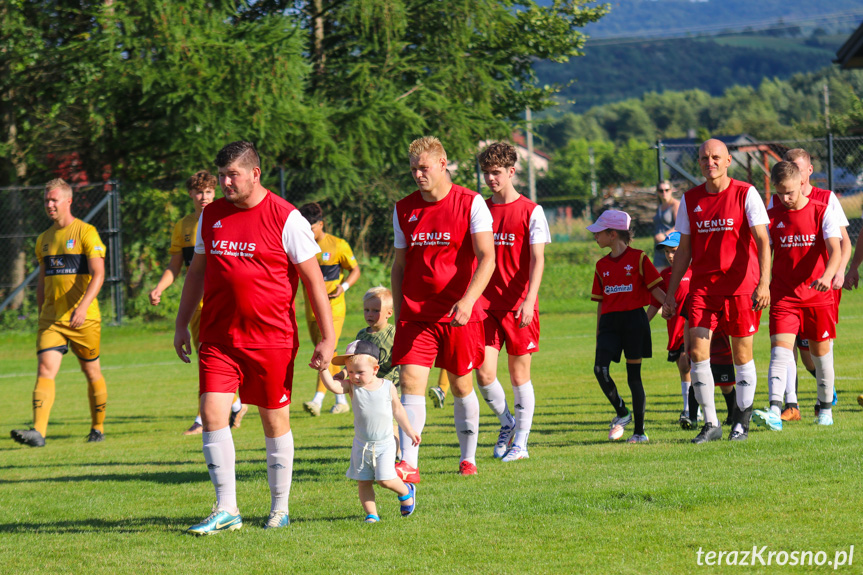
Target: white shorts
{"points": [[375, 460]]}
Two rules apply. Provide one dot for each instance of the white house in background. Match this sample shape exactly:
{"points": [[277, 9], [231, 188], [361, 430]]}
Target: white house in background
{"points": [[540, 160]]}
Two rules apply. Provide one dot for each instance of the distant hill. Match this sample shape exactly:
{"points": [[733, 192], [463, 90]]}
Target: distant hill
{"points": [[645, 17], [614, 72]]}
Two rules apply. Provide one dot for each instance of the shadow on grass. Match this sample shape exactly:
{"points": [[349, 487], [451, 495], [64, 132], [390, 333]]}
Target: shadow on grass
{"points": [[131, 525]]}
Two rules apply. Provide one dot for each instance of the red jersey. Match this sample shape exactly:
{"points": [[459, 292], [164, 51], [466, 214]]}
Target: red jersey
{"points": [[724, 254], [676, 323], [517, 226], [250, 280], [624, 283], [439, 262], [800, 252]]}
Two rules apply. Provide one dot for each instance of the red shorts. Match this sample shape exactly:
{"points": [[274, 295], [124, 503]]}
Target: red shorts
{"points": [[455, 349], [264, 377], [811, 323], [502, 327], [837, 297], [733, 312]]}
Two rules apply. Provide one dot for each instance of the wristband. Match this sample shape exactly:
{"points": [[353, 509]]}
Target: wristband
{"points": [[345, 286]]}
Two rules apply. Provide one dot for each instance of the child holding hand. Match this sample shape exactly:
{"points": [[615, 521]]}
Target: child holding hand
{"points": [[375, 403]]}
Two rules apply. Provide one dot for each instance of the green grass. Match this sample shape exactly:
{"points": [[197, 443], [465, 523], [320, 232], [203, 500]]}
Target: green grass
{"points": [[578, 505]]}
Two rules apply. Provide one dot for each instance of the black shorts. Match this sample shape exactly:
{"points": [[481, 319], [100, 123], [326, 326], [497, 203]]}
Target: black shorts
{"points": [[623, 331], [723, 374], [674, 354]]}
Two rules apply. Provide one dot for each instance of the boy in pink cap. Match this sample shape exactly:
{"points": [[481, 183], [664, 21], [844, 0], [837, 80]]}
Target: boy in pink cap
{"points": [[624, 282]]}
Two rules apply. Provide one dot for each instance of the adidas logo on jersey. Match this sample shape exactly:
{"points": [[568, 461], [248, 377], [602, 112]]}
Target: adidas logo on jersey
{"points": [[217, 225], [531, 345], [413, 218], [751, 329], [825, 335], [284, 398], [470, 366], [780, 225], [697, 209]]}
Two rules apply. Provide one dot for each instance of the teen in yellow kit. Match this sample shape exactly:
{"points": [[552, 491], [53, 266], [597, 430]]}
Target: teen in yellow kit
{"points": [[71, 272], [335, 258]]}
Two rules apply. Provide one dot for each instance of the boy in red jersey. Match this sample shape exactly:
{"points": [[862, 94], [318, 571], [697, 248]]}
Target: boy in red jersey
{"points": [[510, 300], [677, 347], [801, 158], [444, 257], [723, 227], [252, 249], [807, 255], [623, 284]]}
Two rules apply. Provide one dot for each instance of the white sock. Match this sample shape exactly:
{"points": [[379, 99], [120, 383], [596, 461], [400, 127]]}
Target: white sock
{"points": [[525, 404], [237, 406], [825, 377], [199, 421], [466, 415], [415, 406], [318, 398], [280, 468], [790, 381], [776, 409], [221, 459], [780, 359], [340, 398], [496, 399], [702, 381], [746, 379], [684, 391]]}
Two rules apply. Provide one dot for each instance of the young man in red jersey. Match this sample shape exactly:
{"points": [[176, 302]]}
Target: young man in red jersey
{"points": [[723, 227], [252, 249], [803, 161], [806, 256], [444, 258], [510, 299]]}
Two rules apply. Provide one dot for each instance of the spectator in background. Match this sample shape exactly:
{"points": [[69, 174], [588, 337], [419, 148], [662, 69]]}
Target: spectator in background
{"points": [[663, 222]]}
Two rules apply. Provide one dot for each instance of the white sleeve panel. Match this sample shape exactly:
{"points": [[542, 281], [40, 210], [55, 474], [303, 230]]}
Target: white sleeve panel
{"points": [[400, 241], [538, 226], [199, 241], [297, 238], [480, 216], [838, 212], [756, 213], [682, 221]]}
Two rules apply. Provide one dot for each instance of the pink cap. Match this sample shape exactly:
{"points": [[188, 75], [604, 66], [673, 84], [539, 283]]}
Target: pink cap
{"points": [[610, 220]]}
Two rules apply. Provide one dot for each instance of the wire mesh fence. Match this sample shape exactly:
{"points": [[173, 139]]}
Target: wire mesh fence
{"points": [[573, 191]]}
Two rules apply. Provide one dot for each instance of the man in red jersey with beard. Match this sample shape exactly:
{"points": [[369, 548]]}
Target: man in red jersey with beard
{"points": [[252, 249], [444, 258], [511, 299], [723, 227]]}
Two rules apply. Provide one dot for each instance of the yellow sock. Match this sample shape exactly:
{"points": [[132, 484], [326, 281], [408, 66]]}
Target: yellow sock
{"points": [[443, 382], [43, 400], [97, 392]]}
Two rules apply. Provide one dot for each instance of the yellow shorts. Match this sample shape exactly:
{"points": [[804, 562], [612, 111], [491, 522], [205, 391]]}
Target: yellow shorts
{"points": [[58, 336], [315, 332], [195, 327]]}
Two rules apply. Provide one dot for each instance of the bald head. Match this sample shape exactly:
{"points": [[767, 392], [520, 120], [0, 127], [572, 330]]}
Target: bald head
{"points": [[714, 160]]}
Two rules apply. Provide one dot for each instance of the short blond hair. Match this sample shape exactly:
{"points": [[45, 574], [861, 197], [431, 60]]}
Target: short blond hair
{"points": [[782, 172], [59, 184], [795, 154], [426, 144], [381, 293], [369, 358]]}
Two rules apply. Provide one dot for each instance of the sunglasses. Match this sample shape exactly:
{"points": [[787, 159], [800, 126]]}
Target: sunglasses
{"points": [[664, 189]]}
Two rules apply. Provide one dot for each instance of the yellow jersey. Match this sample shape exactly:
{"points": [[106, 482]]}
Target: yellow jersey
{"points": [[334, 258], [183, 241], [63, 254]]}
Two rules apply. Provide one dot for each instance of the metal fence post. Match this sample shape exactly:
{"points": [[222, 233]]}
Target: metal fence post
{"points": [[830, 161], [659, 169], [116, 251]]}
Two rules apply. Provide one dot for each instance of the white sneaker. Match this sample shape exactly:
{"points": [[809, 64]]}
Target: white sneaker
{"points": [[616, 426], [638, 438], [515, 453], [314, 409], [504, 440], [340, 408]]}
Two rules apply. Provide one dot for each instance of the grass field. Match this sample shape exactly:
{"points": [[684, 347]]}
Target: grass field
{"points": [[579, 505]]}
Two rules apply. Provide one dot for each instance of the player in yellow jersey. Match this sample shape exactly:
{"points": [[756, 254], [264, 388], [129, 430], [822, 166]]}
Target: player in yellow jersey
{"points": [[71, 272], [335, 258], [202, 191]]}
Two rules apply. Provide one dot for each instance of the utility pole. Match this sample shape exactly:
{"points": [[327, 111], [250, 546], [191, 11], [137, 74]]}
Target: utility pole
{"points": [[531, 175], [827, 107]]}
